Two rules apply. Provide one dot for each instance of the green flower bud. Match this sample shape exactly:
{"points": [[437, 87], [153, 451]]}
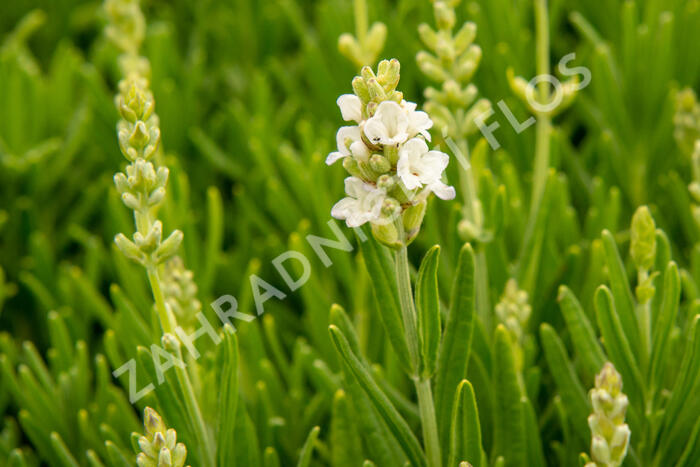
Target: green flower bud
{"points": [[465, 37], [379, 164], [444, 15], [386, 182], [129, 248], [374, 41], [428, 36], [350, 48], [360, 88], [169, 247], [513, 310], [643, 239], [388, 74], [366, 73], [350, 164], [387, 234], [391, 208], [431, 67], [413, 219], [376, 90]]}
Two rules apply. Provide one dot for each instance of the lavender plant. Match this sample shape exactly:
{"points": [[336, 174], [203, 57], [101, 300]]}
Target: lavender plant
{"points": [[564, 333]]}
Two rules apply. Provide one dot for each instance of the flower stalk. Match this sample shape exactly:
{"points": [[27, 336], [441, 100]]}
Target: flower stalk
{"points": [[143, 187]]}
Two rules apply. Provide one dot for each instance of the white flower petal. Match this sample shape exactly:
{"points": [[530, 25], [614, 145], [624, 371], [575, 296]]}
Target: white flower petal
{"points": [[360, 150], [354, 187], [350, 107], [342, 209], [442, 191], [414, 147], [347, 134], [333, 157], [375, 131], [388, 126]]}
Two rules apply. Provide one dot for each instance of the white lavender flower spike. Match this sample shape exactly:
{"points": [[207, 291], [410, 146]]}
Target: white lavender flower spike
{"points": [[393, 170]]}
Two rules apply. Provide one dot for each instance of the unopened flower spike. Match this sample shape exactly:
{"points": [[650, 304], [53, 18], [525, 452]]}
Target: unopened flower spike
{"points": [[364, 47], [610, 434], [143, 185], [159, 446], [385, 151], [560, 96], [180, 292], [687, 120], [451, 61]]}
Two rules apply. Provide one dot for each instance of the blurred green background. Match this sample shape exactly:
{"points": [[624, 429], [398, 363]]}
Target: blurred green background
{"points": [[246, 94]]}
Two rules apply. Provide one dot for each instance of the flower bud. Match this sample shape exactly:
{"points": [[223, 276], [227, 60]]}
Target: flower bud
{"points": [[413, 219], [387, 234], [376, 90], [375, 39], [159, 446], [156, 196], [129, 248], [360, 88], [169, 247], [643, 239], [350, 48], [121, 183], [428, 36], [389, 73], [430, 66], [444, 15], [465, 37], [386, 182], [139, 136], [350, 164], [391, 208], [379, 164]]}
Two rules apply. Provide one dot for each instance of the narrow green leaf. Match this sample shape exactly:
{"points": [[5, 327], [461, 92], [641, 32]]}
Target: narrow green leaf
{"points": [[679, 409], [465, 432], [535, 456], [509, 437], [383, 277], [570, 388], [389, 414], [621, 292], [428, 304], [228, 397], [664, 324], [582, 333], [63, 455], [308, 448], [116, 456], [345, 442], [617, 345], [456, 343]]}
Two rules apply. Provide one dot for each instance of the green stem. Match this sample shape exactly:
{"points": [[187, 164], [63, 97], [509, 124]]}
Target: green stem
{"points": [[361, 21], [428, 422], [168, 324], [544, 121], [426, 406], [644, 315], [408, 309]]}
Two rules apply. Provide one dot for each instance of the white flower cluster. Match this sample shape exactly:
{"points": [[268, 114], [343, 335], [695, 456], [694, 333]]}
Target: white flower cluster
{"points": [[386, 154], [610, 434]]}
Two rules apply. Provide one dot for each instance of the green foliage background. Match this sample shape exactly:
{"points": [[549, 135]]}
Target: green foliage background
{"points": [[246, 93]]}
